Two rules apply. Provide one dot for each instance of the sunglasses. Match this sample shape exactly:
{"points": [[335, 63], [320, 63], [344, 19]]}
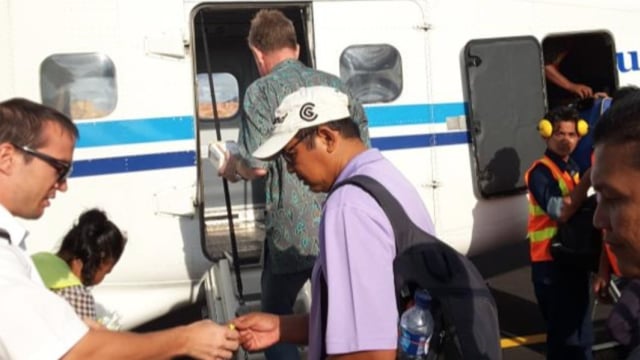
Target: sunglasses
{"points": [[63, 168]]}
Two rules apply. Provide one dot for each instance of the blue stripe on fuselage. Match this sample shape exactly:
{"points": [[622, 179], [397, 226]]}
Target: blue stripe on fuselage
{"points": [[139, 131], [125, 132], [125, 164], [132, 163], [422, 140], [175, 128], [390, 115]]}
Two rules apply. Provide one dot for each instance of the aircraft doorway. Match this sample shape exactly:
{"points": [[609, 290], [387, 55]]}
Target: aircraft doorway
{"points": [[223, 61], [582, 59]]}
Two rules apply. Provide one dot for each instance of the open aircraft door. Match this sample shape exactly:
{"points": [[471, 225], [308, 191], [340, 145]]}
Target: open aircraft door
{"points": [[505, 101], [232, 214]]}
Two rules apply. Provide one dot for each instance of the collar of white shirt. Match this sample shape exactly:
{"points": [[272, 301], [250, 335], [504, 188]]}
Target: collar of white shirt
{"points": [[11, 225]]}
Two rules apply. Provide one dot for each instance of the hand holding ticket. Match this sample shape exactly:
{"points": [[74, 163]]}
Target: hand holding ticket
{"points": [[224, 155], [218, 150]]}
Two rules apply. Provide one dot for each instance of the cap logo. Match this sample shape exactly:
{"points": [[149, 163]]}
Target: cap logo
{"points": [[307, 113]]}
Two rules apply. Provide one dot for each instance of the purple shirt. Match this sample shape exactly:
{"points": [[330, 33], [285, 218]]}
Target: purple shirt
{"points": [[357, 248]]}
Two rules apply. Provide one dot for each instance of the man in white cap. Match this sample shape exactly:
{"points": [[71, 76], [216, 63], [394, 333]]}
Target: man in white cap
{"points": [[321, 145], [292, 211]]}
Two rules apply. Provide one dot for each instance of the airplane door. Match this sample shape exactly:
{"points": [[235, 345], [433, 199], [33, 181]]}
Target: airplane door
{"points": [[226, 65], [506, 100], [479, 167], [385, 67]]}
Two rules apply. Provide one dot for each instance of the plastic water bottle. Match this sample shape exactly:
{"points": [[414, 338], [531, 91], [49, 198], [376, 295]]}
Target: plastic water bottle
{"points": [[416, 328], [111, 321]]}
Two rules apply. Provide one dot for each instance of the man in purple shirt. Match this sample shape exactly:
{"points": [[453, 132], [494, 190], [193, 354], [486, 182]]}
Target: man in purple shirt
{"points": [[321, 144]]}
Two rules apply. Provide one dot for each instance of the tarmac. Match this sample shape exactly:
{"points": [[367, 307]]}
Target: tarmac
{"points": [[507, 271]]}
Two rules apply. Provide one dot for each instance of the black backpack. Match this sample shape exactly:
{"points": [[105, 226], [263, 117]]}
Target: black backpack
{"points": [[464, 311], [577, 243]]}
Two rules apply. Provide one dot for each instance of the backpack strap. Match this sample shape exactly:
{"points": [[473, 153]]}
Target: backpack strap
{"points": [[402, 229], [400, 221], [393, 211], [605, 104], [5, 235]]}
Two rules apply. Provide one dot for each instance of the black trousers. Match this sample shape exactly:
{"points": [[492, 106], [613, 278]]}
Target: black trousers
{"points": [[563, 295]]}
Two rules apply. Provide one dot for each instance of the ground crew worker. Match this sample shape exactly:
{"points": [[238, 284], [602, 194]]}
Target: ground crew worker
{"points": [[555, 194]]}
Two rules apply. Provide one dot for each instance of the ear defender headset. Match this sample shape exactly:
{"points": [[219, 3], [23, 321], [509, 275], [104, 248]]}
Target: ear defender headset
{"points": [[545, 128]]}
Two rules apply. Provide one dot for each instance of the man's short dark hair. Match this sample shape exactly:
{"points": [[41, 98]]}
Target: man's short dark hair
{"points": [[563, 113], [620, 125], [623, 92], [22, 120], [346, 127]]}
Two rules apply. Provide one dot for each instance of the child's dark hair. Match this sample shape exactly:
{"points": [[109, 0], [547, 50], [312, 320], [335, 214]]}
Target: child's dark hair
{"points": [[93, 240]]}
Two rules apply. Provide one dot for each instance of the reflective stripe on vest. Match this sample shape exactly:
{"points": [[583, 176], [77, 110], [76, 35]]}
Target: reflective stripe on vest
{"points": [[541, 228]]}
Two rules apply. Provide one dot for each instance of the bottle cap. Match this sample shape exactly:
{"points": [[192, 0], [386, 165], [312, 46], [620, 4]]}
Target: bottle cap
{"points": [[422, 298]]}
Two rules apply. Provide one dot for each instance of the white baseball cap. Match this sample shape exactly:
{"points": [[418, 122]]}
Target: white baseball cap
{"points": [[307, 107]]}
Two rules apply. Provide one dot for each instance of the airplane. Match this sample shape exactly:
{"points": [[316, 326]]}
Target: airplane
{"points": [[453, 91]]}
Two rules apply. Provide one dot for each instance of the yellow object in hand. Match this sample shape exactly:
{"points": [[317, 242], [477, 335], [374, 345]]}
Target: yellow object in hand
{"points": [[231, 326]]}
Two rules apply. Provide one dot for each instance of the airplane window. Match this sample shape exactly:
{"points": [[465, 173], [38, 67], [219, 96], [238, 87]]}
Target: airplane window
{"points": [[81, 85], [373, 73], [227, 96]]}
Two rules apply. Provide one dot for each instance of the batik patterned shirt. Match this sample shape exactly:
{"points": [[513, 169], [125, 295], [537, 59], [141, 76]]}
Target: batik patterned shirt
{"points": [[292, 210]]}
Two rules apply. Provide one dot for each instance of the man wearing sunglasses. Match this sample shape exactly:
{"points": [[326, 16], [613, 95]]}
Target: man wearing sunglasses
{"points": [[36, 148], [63, 168]]}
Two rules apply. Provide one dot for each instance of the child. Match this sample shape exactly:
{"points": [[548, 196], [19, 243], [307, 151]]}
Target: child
{"points": [[89, 251]]}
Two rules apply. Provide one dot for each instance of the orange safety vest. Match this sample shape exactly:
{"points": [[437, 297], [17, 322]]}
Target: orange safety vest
{"points": [[542, 227], [613, 261]]}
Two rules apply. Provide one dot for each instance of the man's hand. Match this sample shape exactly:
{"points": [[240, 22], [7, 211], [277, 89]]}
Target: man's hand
{"points": [[226, 156], [583, 91], [208, 340], [228, 167], [93, 325], [601, 287], [231, 166], [258, 330]]}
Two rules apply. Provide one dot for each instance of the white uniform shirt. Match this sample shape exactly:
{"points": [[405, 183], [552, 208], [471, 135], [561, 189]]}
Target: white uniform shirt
{"points": [[35, 323]]}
